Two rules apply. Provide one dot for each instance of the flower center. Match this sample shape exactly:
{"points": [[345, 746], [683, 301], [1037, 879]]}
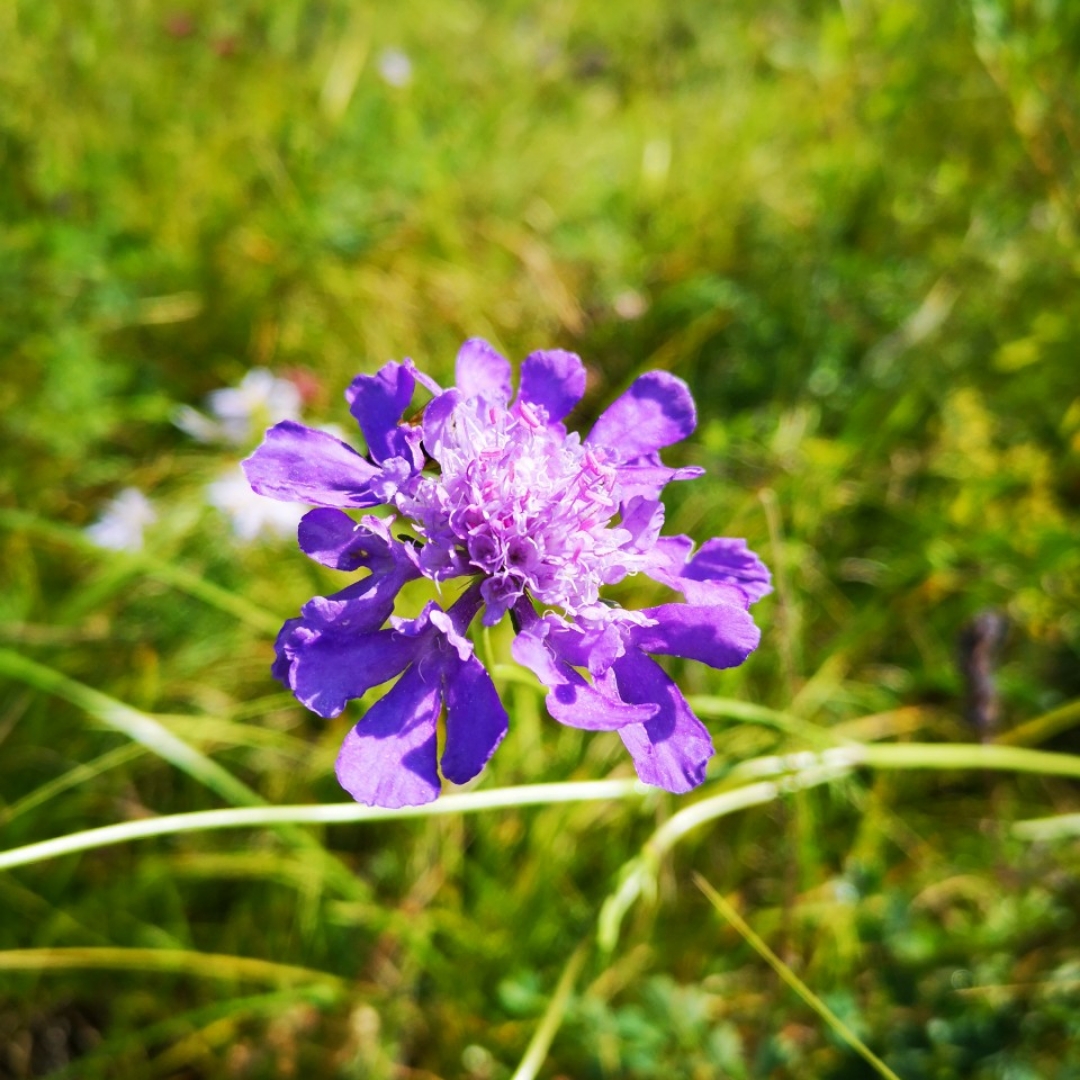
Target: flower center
{"points": [[523, 503]]}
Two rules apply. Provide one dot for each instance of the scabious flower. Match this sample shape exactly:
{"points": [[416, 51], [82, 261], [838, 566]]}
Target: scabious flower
{"points": [[538, 521]]}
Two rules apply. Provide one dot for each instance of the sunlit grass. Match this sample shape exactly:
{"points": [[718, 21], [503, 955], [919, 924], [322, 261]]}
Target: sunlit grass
{"points": [[852, 229]]}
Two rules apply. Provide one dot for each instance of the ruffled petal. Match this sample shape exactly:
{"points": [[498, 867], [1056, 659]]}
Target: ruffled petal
{"points": [[480, 371], [673, 748], [554, 379], [389, 758], [500, 594], [426, 381], [377, 403], [360, 608], [299, 464], [571, 699], [447, 628], [325, 670], [437, 415], [594, 649], [475, 720], [727, 559], [667, 563], [356, 609], [281, 668], [656, 411], [667, 558], [331, 537], [646, 477], [642, 519], [721, 635]]}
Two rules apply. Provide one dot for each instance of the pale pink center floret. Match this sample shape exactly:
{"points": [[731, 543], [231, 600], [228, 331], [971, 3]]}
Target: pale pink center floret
{"points": [[523, 503]]}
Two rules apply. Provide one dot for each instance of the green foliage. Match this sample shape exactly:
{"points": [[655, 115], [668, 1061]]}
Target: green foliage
{"points": [[852, 228]]}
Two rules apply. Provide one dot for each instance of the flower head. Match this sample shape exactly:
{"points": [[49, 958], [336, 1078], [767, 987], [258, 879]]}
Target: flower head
{"points": [[539, 521]]}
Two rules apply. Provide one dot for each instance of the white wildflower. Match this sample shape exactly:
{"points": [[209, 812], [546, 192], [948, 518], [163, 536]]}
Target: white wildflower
{"points": [[121, 523]]}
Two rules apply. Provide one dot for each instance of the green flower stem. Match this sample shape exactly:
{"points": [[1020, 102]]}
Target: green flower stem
{"points": [[1058, 827], [80, 774], [963, 756], [325, 814], [638, 876], [709, 707], [793, 771], [150, 733], [804, 770]]}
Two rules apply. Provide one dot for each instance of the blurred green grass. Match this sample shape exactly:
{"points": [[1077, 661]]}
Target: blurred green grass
{"points": [[852, 228]]}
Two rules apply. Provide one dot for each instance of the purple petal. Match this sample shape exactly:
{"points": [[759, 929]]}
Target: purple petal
{"points": [[348, 613], [721, 635], [647, 476], [672, 749], [360, 608], [332, 538], [388, 759], [475, 721], [571, 699], [281, 668], [326, 670], [437, 415], [668, 565], [554, 379], [448, 626], [642, 519], [499, 593], [298, 464], [452, 637], [377, 402], [482, 372], [667, 559], [726, 559], [426, 381], [594, 649], [656, 411]]}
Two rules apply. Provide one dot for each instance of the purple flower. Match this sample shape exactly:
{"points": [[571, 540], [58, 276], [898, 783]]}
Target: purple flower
{"points": [[538, 521]]}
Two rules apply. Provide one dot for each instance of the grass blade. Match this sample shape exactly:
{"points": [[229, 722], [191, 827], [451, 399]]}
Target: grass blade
{"points": [[167, 573], [793, 980], [171, 961], [540, 1043], [150, 733], [136, 725], [121, 755]]}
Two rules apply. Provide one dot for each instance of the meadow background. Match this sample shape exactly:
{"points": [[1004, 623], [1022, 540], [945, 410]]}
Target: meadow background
{"points": [[852, 228]]}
